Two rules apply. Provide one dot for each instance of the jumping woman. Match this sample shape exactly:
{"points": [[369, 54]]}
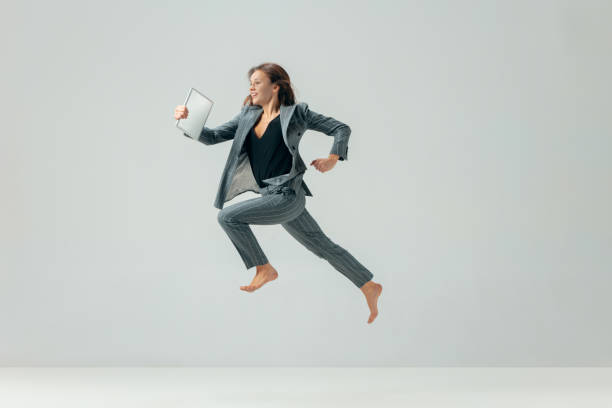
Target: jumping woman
{"points": [[264, 158]]}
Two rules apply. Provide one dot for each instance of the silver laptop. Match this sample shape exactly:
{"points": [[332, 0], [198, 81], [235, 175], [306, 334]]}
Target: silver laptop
{"points": [[198, 107]]}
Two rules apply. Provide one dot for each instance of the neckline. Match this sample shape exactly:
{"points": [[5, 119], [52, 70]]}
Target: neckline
{"points": [[266, 129]]}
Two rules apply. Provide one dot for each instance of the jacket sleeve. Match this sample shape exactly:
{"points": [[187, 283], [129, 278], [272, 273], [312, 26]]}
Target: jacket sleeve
{"points": [[326, 124], [221, 133]]}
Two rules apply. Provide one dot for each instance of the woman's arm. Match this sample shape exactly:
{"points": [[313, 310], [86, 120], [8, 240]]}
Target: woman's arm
{"points": [[332, 127], [221, 133]]}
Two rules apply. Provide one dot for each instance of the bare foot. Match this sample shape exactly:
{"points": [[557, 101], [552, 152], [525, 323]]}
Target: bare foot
{"points": [[372, 291], [264, 274]]}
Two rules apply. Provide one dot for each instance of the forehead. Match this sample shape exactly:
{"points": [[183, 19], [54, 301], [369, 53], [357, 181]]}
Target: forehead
{"points": [[257, 75]]}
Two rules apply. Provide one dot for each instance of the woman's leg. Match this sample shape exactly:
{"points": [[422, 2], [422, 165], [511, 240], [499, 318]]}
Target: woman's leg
{"points": [[273, 208], [306, 230]]}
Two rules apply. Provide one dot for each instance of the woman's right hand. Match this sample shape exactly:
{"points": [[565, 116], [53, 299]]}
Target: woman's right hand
{"points": [[181, 112]]}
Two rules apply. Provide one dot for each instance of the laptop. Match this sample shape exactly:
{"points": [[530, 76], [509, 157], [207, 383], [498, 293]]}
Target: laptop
{"points": [[198, 108]]}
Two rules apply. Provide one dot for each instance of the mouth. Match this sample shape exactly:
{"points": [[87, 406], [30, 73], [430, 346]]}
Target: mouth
{"points": [[253, 95]]}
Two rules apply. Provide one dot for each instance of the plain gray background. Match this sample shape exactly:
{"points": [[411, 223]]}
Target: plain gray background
{"points": [[477, 189]]}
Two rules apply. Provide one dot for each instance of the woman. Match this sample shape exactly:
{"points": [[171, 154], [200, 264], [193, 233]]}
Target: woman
{"points": [[264, 158]]}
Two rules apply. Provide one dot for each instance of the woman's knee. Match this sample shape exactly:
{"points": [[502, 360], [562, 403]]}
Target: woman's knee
{"points": [[224, 216]]}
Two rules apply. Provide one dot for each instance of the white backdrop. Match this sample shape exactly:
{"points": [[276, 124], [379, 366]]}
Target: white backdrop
{"points": [[477, 188]]}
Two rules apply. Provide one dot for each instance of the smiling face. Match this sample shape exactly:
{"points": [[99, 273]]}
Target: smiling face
{"points": [[262, 90]]}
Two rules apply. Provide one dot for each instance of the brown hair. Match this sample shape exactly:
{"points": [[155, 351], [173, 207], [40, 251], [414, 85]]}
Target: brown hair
{"points": [[277, 75]]}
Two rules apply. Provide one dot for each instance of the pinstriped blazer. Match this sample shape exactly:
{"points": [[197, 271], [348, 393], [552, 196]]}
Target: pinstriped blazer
{"points": [[295, 119]]}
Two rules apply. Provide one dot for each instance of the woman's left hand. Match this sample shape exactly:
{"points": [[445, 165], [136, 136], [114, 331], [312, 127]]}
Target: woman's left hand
{"points": [[325, 164]]}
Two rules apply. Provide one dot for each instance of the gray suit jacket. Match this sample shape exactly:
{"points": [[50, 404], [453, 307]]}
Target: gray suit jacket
{"points": [[295, 119]]}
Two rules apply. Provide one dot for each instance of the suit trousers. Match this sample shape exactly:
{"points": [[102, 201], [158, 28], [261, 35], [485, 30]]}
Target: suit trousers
{"points": [[285, 205]]}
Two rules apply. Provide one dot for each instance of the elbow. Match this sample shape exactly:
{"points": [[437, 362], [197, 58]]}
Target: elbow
{"points": [[346, 132], [344, 129], [205, 140], [207, 136]]}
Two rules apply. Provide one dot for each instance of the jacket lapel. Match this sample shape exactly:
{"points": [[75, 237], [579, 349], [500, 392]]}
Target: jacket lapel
{"points": [[254, 111], [286, 111]]}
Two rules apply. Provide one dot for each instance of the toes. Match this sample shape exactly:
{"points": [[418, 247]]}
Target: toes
{"points": [[252, 287]]}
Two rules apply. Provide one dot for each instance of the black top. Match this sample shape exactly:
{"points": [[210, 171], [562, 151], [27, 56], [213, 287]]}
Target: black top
{"points": [[269, 155]]}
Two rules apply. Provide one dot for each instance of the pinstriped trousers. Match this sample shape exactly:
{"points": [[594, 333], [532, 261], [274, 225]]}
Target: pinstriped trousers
{"points": [[285, 205]]}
